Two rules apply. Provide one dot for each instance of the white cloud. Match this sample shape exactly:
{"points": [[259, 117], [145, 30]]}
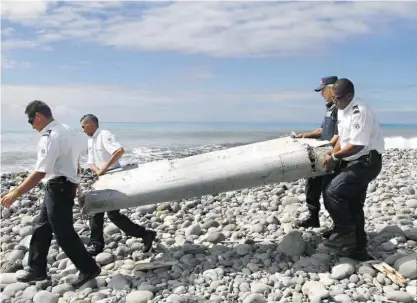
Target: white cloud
{"points": [[125, 103], [17, 44], [129, 103], [10, 63], [220, 29], [24, 10]]}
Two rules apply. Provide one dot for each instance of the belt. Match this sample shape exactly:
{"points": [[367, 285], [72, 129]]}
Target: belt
{"points": [[61, 179], [365, 158]]}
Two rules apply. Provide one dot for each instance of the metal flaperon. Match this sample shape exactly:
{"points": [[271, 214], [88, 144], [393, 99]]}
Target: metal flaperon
{"points": [[273, 161]]}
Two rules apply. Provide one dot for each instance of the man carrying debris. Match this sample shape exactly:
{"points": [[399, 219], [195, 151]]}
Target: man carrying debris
{"points": [[316, 185], [358, 154], [57, 165], [104, 153]]}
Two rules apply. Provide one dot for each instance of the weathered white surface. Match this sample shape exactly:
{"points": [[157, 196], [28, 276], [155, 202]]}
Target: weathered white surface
{"points": [[272, 161]]}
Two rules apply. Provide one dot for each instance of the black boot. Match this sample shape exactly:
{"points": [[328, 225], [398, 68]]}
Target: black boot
{"points": [[342, 243], [32, 275], [362, 255], [148, 239], [327, 233], [311, 221], [85, 277], [95, 249]]}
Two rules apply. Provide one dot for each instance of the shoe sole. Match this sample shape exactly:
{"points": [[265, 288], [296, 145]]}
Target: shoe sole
{"points": [[335, 251], [340, 245], [90, 277], [33, 281], [312, 226], [363, 257]]}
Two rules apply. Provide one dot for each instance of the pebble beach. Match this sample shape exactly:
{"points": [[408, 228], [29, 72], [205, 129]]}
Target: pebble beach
{"points": [[237, 246]]}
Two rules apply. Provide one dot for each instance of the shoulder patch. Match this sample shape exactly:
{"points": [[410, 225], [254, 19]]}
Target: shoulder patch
{"points": [[47, 133], [355, 109]]}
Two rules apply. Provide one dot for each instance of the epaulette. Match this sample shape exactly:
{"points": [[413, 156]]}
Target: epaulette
{"points": [[356, 109], [47, 133]]}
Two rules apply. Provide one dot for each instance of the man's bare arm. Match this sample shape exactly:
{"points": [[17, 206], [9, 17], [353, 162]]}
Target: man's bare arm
{"points": [[348, 151], [115, 156], [315, 134], [30, 182], [336, 147], [335, 141], [95, 169]]}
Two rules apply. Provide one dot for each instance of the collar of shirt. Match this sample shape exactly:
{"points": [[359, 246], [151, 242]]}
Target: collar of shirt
{"points": [[349, 107], [48, 127], [96, 133], [330, 105]]}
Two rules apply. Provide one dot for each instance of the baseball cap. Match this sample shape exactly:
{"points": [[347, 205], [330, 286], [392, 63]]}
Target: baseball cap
{"points": [[326, 81]]}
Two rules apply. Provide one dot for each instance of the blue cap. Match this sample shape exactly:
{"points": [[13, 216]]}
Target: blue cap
{"points": [[326, 81]]}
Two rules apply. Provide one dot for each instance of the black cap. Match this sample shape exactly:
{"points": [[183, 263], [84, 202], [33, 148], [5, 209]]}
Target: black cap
{"points": [[326, 81]]}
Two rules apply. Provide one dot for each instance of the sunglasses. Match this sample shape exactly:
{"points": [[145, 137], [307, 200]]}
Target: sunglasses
{"points": [[338, 98], [30, 120]]}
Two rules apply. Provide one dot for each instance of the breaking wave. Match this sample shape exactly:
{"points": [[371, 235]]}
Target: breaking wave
{"points": [[400, 142]]}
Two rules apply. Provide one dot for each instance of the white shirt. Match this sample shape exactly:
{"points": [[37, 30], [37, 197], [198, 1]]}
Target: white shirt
{"points": [[357, 125], [101, 147], [58, 151]]}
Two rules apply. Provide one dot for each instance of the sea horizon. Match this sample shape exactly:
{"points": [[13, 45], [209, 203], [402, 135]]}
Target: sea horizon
{"points": [[150, 141]]}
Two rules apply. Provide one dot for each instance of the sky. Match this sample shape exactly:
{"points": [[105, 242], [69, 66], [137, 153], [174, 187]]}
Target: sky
{"points": [[207, 61]]}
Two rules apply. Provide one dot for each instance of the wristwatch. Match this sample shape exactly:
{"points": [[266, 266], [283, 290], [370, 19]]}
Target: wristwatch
{"points": [[334, 158]]}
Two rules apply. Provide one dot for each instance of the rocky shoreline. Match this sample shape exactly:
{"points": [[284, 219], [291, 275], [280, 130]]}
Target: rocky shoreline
{"points": [[233, 247]]}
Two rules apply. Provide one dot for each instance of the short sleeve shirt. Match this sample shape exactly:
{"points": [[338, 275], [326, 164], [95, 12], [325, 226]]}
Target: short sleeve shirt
{"points": [[101, 147], [58, 152], [357, 125]]}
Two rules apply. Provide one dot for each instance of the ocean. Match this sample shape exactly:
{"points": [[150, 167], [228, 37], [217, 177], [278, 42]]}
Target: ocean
{"points": [[144, 142]]}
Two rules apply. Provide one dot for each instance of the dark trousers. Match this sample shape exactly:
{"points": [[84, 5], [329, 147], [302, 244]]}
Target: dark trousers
{"points": [[314, 188], [56, 217], [120, 220], [345, 196]]}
